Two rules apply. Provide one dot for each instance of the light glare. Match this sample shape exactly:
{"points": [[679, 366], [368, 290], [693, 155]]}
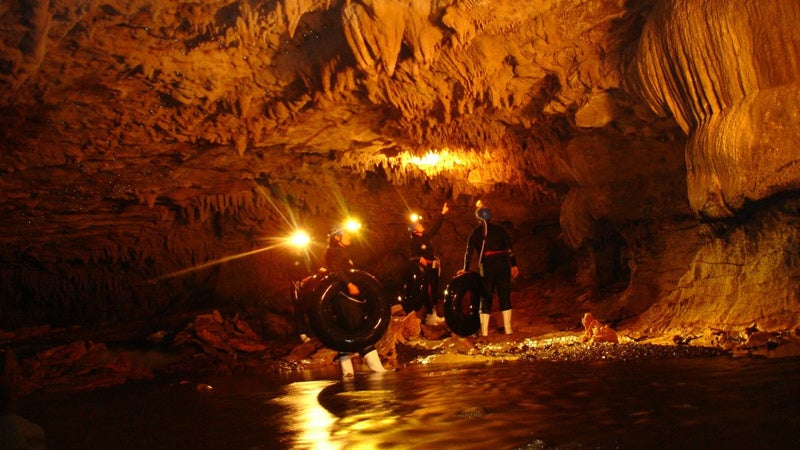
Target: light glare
{"points": [[352, 225], [299, 239], [434, 161]]}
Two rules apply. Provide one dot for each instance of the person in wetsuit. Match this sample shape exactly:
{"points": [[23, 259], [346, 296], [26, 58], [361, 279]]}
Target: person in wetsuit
{"points": [[349, 306], [497, 266], [422, 253]]}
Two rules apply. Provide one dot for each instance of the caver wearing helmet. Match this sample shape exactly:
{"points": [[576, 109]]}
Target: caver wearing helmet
{"points": [[483, 213], [343, 230], [338, 259], [415, 224], [422, 254], [496, 263], [336, 229]]}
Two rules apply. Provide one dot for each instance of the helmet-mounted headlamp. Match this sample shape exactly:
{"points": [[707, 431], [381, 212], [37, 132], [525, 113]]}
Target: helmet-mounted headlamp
{"points": [[350, 225], [482, 212], [299, 239]]}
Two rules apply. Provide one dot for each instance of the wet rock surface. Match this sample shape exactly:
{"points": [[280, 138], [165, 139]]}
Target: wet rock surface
{"points": [[243, 342]]}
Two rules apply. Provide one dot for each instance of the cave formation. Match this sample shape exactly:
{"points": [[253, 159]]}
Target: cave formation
{"points": [[652, 142]]}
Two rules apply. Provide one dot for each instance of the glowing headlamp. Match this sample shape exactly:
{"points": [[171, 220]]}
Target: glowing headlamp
{"points": [[349, 225], [299, 239], [415, 217], [352, 225]]}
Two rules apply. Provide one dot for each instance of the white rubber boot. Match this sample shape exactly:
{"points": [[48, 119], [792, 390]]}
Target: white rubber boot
{"points": [[485, 324], [433, 319], [373, 361], [347, 366], [507, 321]]}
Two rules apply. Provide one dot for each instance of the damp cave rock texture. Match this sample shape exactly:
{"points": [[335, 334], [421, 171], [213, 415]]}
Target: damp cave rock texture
{"points": [[154, 152]]}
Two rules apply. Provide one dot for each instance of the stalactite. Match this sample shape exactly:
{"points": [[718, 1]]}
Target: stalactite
{"points": [[293, 10], [420, 34], [354, 33]]}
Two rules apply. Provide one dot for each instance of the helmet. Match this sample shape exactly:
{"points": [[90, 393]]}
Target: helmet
{"points": [[350, 225], [416, 228], [483, 213], [414, 219], [337, 229]]}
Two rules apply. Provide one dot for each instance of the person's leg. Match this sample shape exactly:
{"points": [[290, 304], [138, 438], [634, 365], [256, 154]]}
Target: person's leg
{"points": [[301, 321], [485, 304], [507, 321], [436, 296], [346, 363], [425, 291], [503, 285], [300, 314], [373, 361], [432, 286]]}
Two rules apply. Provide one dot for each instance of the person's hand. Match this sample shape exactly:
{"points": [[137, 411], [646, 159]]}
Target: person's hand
{"points": [[514, 272], [423, 261], [445, 208], [352, 289], [460, 271]]}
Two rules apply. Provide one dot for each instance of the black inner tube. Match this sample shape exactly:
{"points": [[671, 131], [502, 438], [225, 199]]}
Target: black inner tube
{"points": [[344, 322], [461, 301]]}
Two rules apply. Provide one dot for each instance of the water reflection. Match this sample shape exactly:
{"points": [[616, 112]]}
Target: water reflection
{"points": [[718, 403], [455, 408], [306, 418]]}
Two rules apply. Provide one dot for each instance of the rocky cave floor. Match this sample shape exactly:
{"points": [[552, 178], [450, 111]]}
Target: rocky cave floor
{"points": [[549, 320]]}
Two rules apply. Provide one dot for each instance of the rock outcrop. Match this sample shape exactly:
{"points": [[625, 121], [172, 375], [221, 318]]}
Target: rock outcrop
{"points": [[727, 71]]}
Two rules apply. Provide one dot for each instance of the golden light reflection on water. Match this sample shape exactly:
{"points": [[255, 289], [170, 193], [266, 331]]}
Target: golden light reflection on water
{"points": [[709, 403], [329, 415], [311, 422], [603, 405]]}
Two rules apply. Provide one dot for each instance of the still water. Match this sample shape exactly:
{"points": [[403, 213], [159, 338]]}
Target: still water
{"points": [[712, 403]]}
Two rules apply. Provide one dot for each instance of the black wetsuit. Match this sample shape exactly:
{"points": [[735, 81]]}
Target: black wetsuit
{"points": [[421, 248], [300, 275], [349, 308], [495, 259]]}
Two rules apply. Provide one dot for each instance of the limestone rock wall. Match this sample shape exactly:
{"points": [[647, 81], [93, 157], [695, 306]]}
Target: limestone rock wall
{"points": [[720, 277], [729, 72]]}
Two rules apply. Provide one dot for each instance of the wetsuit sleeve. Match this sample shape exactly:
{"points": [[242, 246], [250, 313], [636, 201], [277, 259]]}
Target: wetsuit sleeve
{"points": [[470, 250], [511, 255], [435, 228]]}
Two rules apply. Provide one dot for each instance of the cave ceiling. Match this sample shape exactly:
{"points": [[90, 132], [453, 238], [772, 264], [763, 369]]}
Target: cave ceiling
{"points": [[151, 96]]}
